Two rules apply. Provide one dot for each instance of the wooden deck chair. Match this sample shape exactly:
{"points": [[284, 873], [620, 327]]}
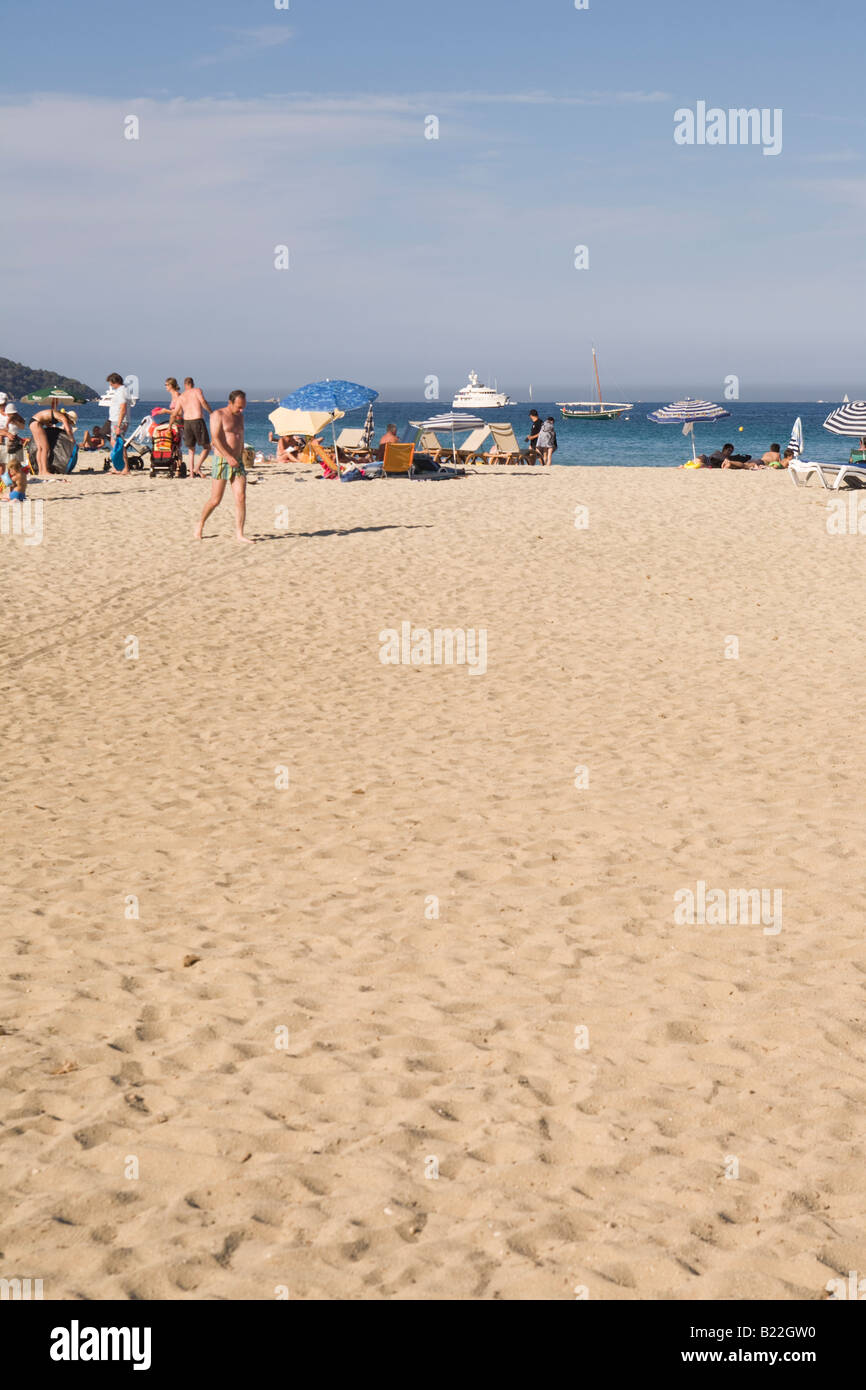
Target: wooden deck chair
{"points": [[397, 462], [428, 443], [470, 450], [506, 448], [350, 445], [350, 439]]}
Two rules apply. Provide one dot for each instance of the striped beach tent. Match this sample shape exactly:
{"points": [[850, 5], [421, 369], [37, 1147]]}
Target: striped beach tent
{"points": [[848, 419], [686, 413]]}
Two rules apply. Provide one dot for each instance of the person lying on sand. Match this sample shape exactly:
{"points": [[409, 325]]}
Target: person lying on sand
{"points": [[726, 458], [773, 456]]}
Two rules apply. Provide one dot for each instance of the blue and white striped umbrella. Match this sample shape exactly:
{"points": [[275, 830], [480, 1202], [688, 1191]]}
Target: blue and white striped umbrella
{"points": [[455, 423], [685, 413], [848, 419], [796, 440]]}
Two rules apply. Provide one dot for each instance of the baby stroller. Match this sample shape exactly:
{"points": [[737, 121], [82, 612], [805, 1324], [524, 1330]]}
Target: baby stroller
{"points": [[165, 452], [134, 451]]}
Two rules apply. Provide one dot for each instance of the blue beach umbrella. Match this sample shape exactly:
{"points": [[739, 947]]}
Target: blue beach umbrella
{"points": [[334, 396], [685, 413], [329, 395]]}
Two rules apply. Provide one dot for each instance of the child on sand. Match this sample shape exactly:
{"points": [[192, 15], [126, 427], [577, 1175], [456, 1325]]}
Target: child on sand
{"points": [[17, 477]]}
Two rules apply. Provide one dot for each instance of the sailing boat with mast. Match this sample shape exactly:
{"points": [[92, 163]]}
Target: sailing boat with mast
{"points": [[594, 410]]}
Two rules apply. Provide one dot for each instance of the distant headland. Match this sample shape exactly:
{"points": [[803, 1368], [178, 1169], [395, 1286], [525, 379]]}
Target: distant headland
{"points": [[18, 381]]}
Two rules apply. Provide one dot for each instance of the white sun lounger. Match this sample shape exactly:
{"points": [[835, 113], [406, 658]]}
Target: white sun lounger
{"points": [[827, 473], [850, 470]]}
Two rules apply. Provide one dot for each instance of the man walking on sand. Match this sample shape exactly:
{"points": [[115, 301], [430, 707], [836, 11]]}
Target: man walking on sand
{"points": [[227, 428], [189, 407]]}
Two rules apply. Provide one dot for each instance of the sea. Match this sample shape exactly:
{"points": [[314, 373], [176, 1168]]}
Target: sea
{"points": [[632, 441]]}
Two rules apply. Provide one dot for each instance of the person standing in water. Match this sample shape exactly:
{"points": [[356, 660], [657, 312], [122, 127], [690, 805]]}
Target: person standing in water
{"points": [[227, 426]]}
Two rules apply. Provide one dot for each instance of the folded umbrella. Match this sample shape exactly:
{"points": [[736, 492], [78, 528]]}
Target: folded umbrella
{"points": [[796, 440]]}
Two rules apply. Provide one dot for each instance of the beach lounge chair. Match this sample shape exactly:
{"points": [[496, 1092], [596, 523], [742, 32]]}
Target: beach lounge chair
{"points": [[506, 448], [800, 471], [428, 443], [350, 444], [852, 474], [397, 462], [471, 450], [401, 461]]}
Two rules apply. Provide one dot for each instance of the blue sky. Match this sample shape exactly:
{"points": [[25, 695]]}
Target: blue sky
{"points": [[411, 257]]}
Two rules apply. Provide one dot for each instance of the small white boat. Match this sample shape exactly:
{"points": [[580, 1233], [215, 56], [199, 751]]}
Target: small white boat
{"points": [[594, 410], [476, 397], [106, 397]]}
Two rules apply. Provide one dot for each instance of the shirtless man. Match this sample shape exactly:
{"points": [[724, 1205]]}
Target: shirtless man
{"points": [[227, 426], [189, 407]]}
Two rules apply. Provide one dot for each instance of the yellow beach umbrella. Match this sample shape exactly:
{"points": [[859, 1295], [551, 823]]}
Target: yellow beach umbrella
{"points": [[305, 422]]}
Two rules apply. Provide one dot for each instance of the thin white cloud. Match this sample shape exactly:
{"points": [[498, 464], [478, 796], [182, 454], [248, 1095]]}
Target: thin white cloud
{"points": [[552, 99], [246, 42], [834, 157], [850, 192]]}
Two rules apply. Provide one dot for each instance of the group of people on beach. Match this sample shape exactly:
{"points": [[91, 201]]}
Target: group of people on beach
{"points": [[186, 411], [727, 458], [14, 460]]}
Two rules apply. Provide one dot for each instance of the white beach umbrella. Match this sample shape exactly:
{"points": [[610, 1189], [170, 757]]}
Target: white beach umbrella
{"points": [[796, 440]]}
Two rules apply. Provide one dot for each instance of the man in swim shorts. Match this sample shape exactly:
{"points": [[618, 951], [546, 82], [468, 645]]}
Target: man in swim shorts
{"points": [[189, 406], [227, 427]]}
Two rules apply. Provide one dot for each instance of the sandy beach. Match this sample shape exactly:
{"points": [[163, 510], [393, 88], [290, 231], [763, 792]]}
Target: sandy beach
{"points": [[236, 1041]]}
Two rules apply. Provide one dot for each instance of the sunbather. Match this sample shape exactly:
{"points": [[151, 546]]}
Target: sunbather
{"points": [[95, 439], [389, 437], [726, 458], [287, 448], [773, 456]]}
